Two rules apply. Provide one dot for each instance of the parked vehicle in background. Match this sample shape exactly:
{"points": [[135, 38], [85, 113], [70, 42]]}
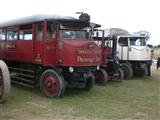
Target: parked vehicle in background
{"points": [[50, 52], [5, 83], [133, 52], [110, 65]]}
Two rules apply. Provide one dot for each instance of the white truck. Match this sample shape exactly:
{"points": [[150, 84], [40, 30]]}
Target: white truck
{"points": [[132, 51]]}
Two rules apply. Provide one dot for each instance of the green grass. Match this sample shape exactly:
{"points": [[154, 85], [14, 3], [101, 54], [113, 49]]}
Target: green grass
{"points": [[138, 98]]}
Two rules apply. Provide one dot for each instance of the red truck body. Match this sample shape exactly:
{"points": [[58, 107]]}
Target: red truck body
{"points": [[58, 47]]}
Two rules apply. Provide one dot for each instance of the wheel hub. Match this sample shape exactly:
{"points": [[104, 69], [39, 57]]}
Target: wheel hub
{"points": [[49, 85]]}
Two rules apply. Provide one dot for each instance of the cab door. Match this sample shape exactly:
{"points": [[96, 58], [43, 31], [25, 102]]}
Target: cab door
{"points": [[38, 42], [50, 43], [123, 48]]}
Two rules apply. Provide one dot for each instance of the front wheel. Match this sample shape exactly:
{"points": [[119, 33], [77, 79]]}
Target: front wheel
{"points": [[128, 71], [101, 77], [120, 75], [52, 84]]}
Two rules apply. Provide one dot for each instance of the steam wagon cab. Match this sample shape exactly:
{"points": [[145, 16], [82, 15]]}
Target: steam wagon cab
{"points": [[110, 66], [50, 52], [132, 51]]}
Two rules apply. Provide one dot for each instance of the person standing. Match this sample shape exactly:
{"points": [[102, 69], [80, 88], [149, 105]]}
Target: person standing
{"points": [[149, 64], [158, 62]]}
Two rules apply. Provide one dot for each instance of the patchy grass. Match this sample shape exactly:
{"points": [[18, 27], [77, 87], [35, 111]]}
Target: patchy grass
{"points": [[138, 98]]}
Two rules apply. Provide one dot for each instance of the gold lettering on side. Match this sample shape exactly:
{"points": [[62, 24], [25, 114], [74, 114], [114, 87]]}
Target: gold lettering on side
{"points": [[82, 51], [38, 60], [91, 46], [49, 47], [11, 46], [87, 60], [38, 57]]}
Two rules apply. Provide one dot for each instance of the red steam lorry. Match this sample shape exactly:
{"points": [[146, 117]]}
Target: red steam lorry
{"points": [[50, 52]]}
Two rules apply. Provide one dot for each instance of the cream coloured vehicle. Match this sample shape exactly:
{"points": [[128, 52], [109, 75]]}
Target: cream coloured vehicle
{"points": [[132, 51]]}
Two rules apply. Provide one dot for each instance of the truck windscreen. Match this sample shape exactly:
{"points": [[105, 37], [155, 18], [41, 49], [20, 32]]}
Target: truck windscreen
{"points": [[73, 30], [138, 41]]}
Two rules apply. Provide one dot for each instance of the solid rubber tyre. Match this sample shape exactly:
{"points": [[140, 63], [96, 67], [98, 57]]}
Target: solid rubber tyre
{"points": [[52, 84], [128, 71], [101, 77], [120, 76], [5, 82]]}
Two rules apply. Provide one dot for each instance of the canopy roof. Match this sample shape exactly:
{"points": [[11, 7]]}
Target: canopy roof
{"points": [[122, 33], [36, 18], [116, 32]]}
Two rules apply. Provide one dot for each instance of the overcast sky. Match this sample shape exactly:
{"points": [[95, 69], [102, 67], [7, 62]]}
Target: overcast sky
{"points": [[132, 15]]}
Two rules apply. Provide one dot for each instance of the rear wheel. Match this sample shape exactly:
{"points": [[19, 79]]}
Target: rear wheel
{"points": [[128, 71], [52, 84], [101, 77], [140, 70], [5, 83]]}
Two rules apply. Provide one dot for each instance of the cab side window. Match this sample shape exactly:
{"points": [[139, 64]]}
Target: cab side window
{"points": [[25, 35], [109, 43], [50, 30], [123, 41], [25, 32], [12, 34], [39, 31], [2, 34]]}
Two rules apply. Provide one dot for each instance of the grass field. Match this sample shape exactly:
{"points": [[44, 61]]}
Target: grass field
{"points": [[135, 99]]}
